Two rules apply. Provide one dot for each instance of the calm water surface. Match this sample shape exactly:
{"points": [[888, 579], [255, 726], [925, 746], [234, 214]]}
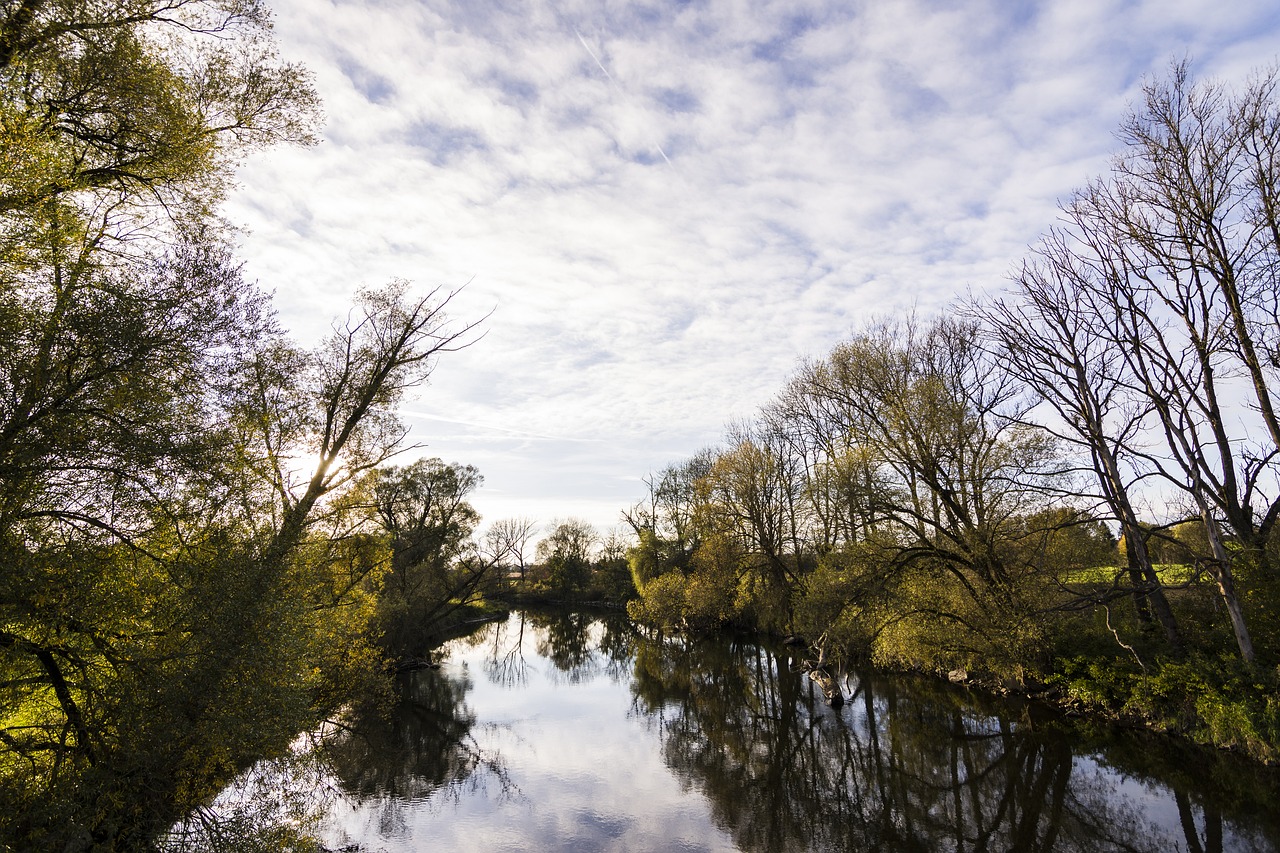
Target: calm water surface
{"points": [[570, 732]]}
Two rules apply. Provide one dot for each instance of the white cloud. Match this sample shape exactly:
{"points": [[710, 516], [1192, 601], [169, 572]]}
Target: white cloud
{"points": [[661, 243]]}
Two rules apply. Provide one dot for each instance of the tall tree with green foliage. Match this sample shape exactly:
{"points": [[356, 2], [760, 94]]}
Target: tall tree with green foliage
{"points": [[566, 553], [435, 567], [145, 103], [182, 591]]}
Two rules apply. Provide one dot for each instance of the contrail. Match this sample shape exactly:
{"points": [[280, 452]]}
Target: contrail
{"points": [[592, 53], [614, 83]]}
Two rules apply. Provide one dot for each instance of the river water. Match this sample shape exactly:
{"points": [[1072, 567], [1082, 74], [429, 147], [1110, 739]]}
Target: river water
{"points": [[572, 732]]}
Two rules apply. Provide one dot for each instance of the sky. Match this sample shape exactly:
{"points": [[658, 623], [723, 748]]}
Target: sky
{"points": [[663, 207]]}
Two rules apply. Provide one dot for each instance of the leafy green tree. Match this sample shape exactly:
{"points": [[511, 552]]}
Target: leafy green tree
{"points": [[436, 569], [952, 466], [1066, 540], [144, 101], [185, 589], [610, 571], [566, 552], [424, 508], [184, 605]]}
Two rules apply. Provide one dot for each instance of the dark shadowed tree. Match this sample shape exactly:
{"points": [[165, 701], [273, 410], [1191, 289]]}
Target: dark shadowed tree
{"points": [[187, 590], [436, 568]]}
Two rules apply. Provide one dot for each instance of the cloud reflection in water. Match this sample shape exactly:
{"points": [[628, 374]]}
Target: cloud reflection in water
{"points": [[563, 732]]}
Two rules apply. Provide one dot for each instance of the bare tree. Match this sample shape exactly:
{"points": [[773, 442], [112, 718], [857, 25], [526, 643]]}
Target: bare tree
{"points": [[613, 545], [1053, 335], [1172, 259], [511, 537]]}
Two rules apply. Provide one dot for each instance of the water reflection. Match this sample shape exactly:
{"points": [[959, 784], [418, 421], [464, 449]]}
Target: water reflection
{"points": [[905, 765], [910, 764], [387, 765], [424, 744], [579, 646]]}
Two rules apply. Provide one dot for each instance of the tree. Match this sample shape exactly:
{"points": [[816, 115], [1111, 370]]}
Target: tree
{"points": [[424, 508], [184, 605], [435, 568], [566, 552], [511, 536], [1056, 336], [942, 467], [611, 573], [121, 496], [1188, 225], [144, 101], [753, 493], [666, 521], [838, 475], [941, 423], [186, 588], [1167, 265]]}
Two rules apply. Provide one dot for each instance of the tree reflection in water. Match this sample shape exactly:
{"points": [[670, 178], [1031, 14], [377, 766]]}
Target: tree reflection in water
{"points": [[579, 646], [505, 662], [582, 646], [907, 765], [395, 762]]}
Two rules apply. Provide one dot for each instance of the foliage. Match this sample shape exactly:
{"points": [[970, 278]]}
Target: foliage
{"points": [[1214, 701], [182, 606], [435, 567], [839, 602], [708, 596], [944, 494], [661, 603], [566, 553], [188, 581], [142, 102], [611, 581]]}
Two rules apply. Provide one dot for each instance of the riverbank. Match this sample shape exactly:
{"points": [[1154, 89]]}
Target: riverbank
{"points": [[1219, 703], [1215, 702]]}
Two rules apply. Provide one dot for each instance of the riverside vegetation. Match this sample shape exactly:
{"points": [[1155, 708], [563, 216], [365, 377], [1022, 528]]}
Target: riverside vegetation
{"points": [[206, 550], [203, 547], [1069, 489], [186, 495]]}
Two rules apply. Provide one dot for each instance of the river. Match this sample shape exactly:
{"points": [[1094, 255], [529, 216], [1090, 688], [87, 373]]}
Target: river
{"points": [[573, 732]]}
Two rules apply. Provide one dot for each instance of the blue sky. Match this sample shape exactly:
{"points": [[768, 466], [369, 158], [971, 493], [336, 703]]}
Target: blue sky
{"points": [[666, 205]]}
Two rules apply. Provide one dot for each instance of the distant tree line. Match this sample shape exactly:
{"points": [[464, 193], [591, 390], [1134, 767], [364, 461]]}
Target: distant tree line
{"points": [[443, 570], [1074, 482]]}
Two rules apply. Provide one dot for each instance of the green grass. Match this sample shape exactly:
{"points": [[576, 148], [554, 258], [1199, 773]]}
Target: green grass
{"points": [[1169, 573]]}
